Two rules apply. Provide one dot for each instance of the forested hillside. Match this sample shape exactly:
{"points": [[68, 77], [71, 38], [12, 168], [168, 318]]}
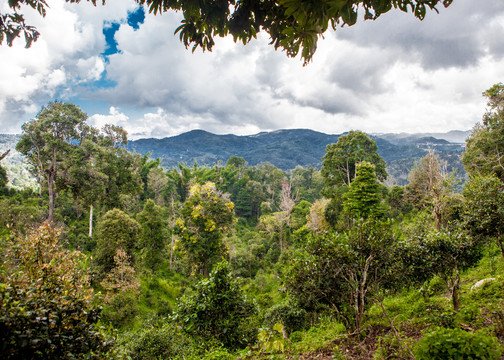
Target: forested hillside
{"points": [[287, 149], [121, 257]]}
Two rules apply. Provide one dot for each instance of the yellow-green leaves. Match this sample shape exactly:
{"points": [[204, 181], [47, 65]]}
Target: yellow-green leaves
{"points": [[272, 340], [207, 215]]}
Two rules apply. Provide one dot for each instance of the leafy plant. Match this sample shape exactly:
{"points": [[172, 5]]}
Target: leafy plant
{"points": [[342, 271], [217, 310], [457, 344], [157, 341], [288, 313], [47, 309], [272, 340]]}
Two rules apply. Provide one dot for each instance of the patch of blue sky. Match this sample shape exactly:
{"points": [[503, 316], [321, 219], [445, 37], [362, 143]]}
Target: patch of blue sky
{"points": [[90, 106], [134, 19], [109, 30]]}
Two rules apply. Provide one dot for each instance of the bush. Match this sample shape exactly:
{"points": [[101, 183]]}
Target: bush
{"points": [[289, 314], [218, 354], [46, 304], [121, 310], [390, 348], [296, 336], [156, 342], [446, 344], [218, 311]]}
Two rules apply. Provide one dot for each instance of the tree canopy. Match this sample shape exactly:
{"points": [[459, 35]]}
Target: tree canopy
{"points": [[293, 25], [49, 139], [484, 149], [339, 162]]}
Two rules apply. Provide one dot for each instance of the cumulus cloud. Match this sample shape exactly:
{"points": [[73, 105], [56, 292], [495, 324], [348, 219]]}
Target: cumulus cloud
{"points": [[115, 117], [457, 36], [394, 74], [67, 53]]}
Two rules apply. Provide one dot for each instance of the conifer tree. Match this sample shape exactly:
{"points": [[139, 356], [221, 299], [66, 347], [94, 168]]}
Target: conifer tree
{"points": [[362, 199]]}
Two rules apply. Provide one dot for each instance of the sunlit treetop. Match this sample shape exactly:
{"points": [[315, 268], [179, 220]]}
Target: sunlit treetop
{"points": [[293, 25]]}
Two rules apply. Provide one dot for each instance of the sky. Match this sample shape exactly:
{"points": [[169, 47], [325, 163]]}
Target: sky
{"points": [[126, 67]]}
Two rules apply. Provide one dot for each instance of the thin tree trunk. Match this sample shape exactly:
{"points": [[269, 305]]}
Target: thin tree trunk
{"points": [[348, 172], [205, 268], [172, 224], [91, 220], [501, 245], [454, 291], [394, 329], [171, 250], [50, 189]]}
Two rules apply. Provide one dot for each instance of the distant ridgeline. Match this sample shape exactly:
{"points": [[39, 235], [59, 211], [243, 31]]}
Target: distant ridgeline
{"points": [[287, 149], [17, 170]]}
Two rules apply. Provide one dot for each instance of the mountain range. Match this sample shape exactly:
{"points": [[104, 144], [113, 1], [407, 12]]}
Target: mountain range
{"points": [[285, 149]]}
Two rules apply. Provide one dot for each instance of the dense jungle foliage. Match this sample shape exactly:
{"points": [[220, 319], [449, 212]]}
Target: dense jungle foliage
{"points": [[117, 257]]}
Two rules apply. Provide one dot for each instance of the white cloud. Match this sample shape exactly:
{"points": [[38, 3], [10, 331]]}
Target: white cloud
{"points": [[66, 53], [115, 117], [395, 74]]}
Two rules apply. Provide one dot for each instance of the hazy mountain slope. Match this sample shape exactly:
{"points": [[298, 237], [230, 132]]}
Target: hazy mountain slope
{"points": [[454, 136], [17, 169], [287, 149], [283, 148]]}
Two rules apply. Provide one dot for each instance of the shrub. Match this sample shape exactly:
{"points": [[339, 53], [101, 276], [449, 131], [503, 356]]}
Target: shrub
{"points": [[390, 348], [289, 314], [121, 310], [218, 310], [296, 336], [445, 344], [156, 342], [46, 304], [218, 354]]}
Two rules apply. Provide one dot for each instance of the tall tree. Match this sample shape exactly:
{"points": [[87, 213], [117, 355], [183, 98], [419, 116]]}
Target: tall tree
{"points": [[483, 208], [123, 183], [153, 234], [206, 216], [339, 162], [116, 230], [51, 137], [157, 182], [485, 146], [430, 186], [363, 198], [3, 173], [100, 170]]}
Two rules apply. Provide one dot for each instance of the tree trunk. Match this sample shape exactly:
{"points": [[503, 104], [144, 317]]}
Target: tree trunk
{"points": [[91, 220], [205, 268], [50, 189], [348, 173], [171, 250], [501, 245], [454, 291], [281, 238]]}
